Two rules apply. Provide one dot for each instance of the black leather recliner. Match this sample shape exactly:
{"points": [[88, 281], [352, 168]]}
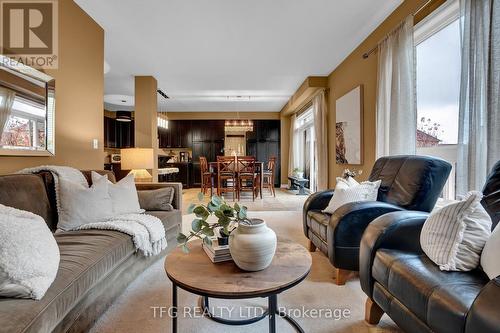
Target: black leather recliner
{"points": [[403, 282], [408, 183]]}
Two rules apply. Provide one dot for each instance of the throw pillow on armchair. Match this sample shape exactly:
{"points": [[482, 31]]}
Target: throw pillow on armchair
{"points": [[349, 190]]}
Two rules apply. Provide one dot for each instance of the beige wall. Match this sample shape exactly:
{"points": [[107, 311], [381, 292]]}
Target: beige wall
{"points": [[145, 116], [79, 94], [146, 112], [354, 71], [222, 115], [285, 148]]}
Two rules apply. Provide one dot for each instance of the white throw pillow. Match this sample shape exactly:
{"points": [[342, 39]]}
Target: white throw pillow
{"points": [[454, 236], [81, 205], [489, 258], [123, 194], [29, 255], [349, 190]]}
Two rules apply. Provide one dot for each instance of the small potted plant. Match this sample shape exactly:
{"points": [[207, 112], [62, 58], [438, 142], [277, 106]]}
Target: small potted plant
{"points": [[222, 237], [246, 236], [298, 172], [228, 219], [351, 173]]}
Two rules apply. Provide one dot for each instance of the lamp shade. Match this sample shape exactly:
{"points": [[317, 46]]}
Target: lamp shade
{"points": [[137, 158]]}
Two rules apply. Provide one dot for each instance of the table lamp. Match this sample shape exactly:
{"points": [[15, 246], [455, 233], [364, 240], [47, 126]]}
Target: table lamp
{"points": [[138, 160]]}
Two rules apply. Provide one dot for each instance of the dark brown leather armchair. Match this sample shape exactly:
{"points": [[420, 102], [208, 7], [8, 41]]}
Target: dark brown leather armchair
{"points": [[403, 282]]}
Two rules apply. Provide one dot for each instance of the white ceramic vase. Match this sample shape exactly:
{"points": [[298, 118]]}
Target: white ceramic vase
{"points": [[252, 246]]}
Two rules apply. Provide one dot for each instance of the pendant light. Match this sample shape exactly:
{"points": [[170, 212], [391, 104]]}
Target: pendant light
{"points": [[124, 116]]}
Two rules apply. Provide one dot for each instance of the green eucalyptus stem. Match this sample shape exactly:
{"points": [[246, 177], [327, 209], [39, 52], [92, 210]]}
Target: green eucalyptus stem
{"points": [[227, 217]]}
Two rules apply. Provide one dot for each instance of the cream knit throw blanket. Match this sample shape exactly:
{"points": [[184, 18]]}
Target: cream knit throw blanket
{"points": [[147, 232], [59, 172]]}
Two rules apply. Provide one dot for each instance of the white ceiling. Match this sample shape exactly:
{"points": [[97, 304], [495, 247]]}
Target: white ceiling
{"points": [[203, 51]]}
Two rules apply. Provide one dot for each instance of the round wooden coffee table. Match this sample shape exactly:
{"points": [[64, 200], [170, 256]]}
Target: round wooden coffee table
{"points": [[195, 273]]}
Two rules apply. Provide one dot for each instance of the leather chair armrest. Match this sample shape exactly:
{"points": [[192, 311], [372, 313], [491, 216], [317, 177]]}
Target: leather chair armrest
{"points": [[483, 315], [316, 201], [397, 230], [176, 203]]}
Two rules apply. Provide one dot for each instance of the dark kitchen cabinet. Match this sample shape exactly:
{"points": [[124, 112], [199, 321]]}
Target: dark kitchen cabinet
{"points": [[265, 130], [177, 135], [218, 149], [167, 137], [217, 130], [264, 142], [118, 134], [202, 148], [251, 148], [184, 133], [196, 175], [197, 131], [270, 131], [172, 135], [109, 132], [201, 130], [208, 141], [208, 149], [126, 134], [207, 130], [163, 137]]}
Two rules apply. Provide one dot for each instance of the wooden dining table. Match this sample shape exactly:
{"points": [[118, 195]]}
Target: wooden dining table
{"points": [[259, 166]]}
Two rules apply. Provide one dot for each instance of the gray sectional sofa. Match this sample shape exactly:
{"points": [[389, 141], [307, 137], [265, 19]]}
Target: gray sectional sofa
{"points": [[95, 267]]}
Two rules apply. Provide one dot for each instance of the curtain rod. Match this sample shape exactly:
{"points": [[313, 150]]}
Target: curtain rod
{"points": [[429, 3]]}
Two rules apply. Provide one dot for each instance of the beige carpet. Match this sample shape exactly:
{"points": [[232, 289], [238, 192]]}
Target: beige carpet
{"points": [[134, 310], [284, 201]]}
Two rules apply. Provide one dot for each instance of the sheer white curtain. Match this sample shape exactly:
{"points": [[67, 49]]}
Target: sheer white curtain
{"points": [[7, 97], [321, 146], [293, 153], [396, 95], [479, 120]]}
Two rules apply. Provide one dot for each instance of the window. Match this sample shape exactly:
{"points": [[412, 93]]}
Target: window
{"points": [[27, 111], [26, 126], [304, 136], [438, 54]]}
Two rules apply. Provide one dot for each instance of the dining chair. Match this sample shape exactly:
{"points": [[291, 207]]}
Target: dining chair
{"points": [[269, 174], [226, 175], [247, 175], [206, 176]]}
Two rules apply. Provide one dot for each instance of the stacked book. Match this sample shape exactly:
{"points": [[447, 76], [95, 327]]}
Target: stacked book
{"points": [[217, 253]]}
